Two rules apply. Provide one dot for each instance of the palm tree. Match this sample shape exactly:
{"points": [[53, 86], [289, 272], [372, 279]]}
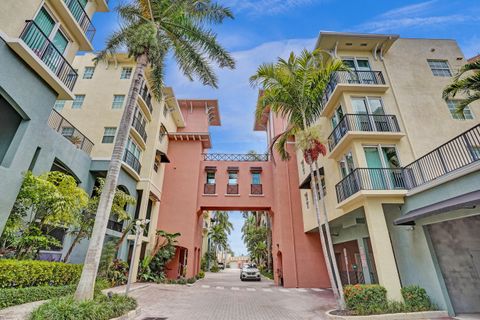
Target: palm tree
{"points": [[150, 30], [469, 85], [293, 89]]}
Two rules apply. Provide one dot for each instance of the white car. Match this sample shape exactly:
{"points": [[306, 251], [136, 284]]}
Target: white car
{"points": [[250, 272]]}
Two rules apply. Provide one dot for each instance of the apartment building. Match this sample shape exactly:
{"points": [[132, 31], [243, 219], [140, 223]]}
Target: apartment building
{"points": [[100, 98], [379, 120], [39, 39]]}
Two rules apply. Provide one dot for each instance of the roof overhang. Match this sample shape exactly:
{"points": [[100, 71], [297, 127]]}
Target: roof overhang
{"points": [[465, 201], [210, 105], [203, 137], [306, 182], [334, 41], [173, 106]]}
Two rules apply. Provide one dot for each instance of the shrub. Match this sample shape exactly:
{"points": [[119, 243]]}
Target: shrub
{"points": [[416, 298], [201, 274], [117, 274], [214, 268], [366, 298], [100, 308], [30, 273], [182, 281], [191, 280], [16, 296]]}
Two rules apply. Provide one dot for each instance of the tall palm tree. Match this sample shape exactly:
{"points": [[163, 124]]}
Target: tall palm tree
{"points": [[293, 89], [151, 29], [468, 85]]}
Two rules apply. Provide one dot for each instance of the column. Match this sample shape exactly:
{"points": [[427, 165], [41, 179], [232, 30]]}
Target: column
{"points": [[382, 249], [364, 257]]}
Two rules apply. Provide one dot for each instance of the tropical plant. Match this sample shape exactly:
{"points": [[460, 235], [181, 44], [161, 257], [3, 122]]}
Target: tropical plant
{"points": [[150, 30], [467, 82], [256, 235], [293, 89], [219, 231]]}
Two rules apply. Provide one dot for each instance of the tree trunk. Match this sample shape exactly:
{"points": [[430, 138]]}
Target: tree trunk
{"points": [[124, 234], [330, 242], [269, 244], [72, 246], [89, 273]]}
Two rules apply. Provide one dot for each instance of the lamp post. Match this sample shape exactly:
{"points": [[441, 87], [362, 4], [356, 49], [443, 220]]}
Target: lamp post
{"points": [[139, 227]]}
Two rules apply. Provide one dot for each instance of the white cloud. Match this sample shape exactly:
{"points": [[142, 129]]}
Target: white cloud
{"points": [[266, 7], [237, 99], [414, 9]]}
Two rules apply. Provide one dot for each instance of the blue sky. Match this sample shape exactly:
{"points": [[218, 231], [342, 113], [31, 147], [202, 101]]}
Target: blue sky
{"points": [[265, 29]]}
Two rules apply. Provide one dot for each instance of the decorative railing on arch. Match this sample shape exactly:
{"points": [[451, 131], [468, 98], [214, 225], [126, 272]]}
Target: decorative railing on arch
{"points": [[244, 157]]}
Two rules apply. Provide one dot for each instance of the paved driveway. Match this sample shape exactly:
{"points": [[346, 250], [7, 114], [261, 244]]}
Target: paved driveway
{"points": [[223, 296]]}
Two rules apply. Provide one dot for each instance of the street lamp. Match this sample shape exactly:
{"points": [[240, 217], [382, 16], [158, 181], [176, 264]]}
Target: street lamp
{"points": [[139, 227]]}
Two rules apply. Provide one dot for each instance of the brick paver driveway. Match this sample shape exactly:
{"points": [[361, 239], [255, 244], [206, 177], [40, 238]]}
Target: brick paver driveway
{"points": [[223, 296]]}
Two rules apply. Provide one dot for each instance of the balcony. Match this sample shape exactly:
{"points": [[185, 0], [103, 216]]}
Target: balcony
{"points": [[232, 189], [209, 188], [371, 179], [145, 100], [78, 12], [363, 126], [43, 57], [235, 157], [352, 81], [140, 127], [65, 128], [130, 159], [256, 189], [455, 154]]}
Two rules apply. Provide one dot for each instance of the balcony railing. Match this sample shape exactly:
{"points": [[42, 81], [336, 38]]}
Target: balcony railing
{"points": [[147, 97], [115, 225], [362, 122], [44, 49], [61, 125], [209, 188], [140, 127], [352, 77], [256, 189], [232, 188], [234, 157], [370, 179], [78, 12], [130, 159], [459, 152]]}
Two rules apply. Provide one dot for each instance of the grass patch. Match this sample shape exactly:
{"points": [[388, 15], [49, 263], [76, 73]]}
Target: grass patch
{"points": [[267, 274]]}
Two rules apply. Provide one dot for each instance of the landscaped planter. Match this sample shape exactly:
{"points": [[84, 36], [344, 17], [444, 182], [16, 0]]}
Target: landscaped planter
{"points": [[392, 316]]}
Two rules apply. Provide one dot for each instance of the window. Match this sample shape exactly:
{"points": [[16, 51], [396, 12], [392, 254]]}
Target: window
{"points": [[440, 68], [78, 102], [165, 110], [118, 100], [324, 187], [133, 148], [67, 132], [302, 164], [126, 73], [307, 202], [232, 177], [88, 73], [59, 105], [256, 178], [109, 135], [211, 177], [465, 115], [360, 64], [346, 164], [163, 132], [337, 116]]}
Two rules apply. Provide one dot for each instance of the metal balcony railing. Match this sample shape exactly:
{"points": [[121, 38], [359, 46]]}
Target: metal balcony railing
{"points": [[65, 128], [232, 188], [147, 97], [234, 157], [81, 17], [130, 159], [44, 49], [370, 179], [256, 189], [209, 188], [362, 122], [140, 127], [351, 77], [458, 152]]}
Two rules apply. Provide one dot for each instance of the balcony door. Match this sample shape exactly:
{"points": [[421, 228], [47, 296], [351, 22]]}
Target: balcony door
{"points": [[383, 160], [369, 114], [360, 68]]}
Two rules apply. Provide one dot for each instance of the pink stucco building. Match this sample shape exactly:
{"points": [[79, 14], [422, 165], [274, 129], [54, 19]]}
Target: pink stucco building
{"points": [[196, 181]]}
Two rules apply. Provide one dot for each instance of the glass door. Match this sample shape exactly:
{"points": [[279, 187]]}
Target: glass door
{"points": [[37, 37], [375, 178], [383, 160], [369, 112]]}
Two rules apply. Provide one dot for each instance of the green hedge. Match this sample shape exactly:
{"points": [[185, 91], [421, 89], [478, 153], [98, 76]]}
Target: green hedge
{"points": [[31, 273], [100, 308], [416, 298], [15, 296], [366, 298]]}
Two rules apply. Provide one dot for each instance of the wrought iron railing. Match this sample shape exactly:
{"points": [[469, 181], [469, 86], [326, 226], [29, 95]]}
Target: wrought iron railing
{"points": [[352, 77], [209, 188], [130, 159], [232, 188], [147, 97], [65, 128], [362, 122], [235, 157], [115, 225], [45, 49], [256, 189], [459, 152], [140, 127], [370, 179], [81, 17]]}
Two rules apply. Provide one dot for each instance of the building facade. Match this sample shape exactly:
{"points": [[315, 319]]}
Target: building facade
{"points": [[378, 121], [38, 44]]}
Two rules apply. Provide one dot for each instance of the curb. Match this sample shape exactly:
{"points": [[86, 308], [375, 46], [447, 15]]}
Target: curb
{"points": [[132, 314], [423, 315]]}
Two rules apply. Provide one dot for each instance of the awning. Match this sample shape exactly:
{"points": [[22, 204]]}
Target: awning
{"points": [[306, 183], [162, 156], [465, 201], [232, 169], [256, 169], [210, 169]]}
